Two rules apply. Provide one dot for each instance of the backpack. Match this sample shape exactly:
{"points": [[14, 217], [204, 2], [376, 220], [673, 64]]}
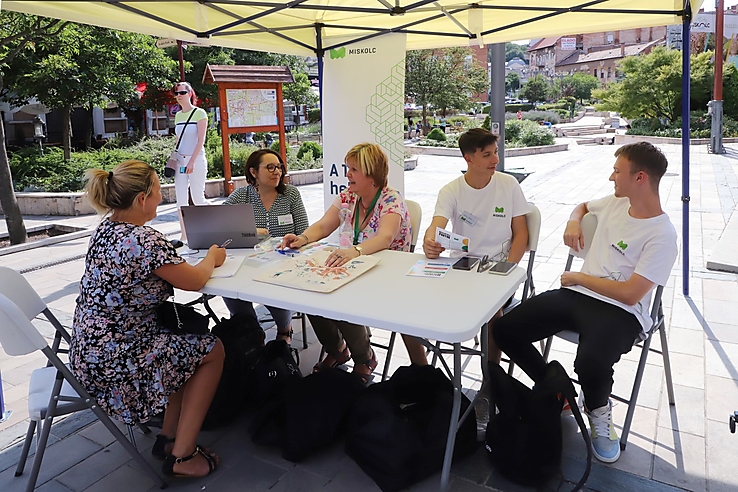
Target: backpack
{"points": [[396, 430], [524, 440], [243, 341], [277, 365]]}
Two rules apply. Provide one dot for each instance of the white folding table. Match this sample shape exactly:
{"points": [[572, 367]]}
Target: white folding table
{"points": [[451, 309]]}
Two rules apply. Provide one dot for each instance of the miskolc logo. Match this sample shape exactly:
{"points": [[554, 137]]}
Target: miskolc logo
{"points": [[622, 245], [499, 210], [338, 52]]}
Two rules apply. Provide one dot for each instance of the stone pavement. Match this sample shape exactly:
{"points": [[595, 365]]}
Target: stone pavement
{"points": [[686, 447]]}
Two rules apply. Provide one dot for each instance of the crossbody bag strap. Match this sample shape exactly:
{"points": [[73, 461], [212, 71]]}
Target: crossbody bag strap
{"points": [[192, 113], [571, 396]]}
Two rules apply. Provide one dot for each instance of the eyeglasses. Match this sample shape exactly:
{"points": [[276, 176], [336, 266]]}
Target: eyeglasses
{"points": [[181, 93], [273, 168]]}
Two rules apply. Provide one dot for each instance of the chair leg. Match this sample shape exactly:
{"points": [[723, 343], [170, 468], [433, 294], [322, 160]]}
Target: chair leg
{"points": [[130, 448], [131, 436], [388, 356], [547, 349], [26, 448], [42, 439], [435, 354], [667, 365], [304, 332], [476, 340], [144, 428], [634, 393]]}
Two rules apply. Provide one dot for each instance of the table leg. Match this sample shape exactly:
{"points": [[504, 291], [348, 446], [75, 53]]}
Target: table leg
{"points": [[454, 421], [485, 352], [4, 415]]}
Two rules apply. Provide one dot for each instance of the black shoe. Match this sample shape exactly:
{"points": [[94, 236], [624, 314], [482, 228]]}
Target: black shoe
{"points": [[176, 243]]}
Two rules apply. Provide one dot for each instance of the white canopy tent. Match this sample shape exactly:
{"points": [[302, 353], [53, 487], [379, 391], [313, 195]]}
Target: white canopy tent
{"points": [[311, 27]]}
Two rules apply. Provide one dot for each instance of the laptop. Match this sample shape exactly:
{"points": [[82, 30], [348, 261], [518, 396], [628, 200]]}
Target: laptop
{"points": [[206, 225]]}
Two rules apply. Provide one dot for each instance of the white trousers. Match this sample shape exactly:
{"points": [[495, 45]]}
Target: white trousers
{"points": [[195, 181]]}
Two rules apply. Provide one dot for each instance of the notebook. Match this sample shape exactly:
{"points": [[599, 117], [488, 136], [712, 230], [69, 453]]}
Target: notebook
{"points": [[206, 225]]}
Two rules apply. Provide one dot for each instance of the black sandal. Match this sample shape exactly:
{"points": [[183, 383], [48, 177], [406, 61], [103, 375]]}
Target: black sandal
{"points": [[339, 358], [168, 467], [371, 363], [158, 450], [284, 335]]}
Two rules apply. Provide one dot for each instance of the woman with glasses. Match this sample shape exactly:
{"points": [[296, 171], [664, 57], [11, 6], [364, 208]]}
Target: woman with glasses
{"points": [[191, 124], [278, 210]]}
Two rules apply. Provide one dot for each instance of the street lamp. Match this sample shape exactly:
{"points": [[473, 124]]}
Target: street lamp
{"points": [[39, 132]]}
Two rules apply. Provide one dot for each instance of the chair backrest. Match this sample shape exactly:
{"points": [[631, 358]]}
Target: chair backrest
{"points": [[17, 335], [589, 225], [416, 215], [15, 287], [533, 221]]}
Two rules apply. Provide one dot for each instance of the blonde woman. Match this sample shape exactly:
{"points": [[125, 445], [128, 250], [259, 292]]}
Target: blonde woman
{"points": [[191, 125], [128, 363], [381, 221]]}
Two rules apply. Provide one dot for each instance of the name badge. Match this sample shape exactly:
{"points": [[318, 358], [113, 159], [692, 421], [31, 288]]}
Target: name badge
{"points": [[468, 219], [285, 219]]}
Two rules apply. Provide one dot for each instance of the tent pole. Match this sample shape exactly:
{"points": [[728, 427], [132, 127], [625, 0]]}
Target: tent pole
{"points": [[497, 97], [687, 19], [319, 52]]}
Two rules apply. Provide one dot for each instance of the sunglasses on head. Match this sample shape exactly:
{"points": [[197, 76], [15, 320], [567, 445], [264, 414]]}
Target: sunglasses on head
{"points": [[181, 93]]}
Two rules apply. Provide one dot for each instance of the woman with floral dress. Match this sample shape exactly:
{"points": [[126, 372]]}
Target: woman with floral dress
{"points": [[133, 367], [381, 221]]}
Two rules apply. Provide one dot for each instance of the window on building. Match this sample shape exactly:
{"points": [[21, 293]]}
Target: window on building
{"points": [[609, 72], [595, 73], [610, 38]]}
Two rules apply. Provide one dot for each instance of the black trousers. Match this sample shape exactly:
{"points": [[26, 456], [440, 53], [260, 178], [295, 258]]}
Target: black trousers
{"points": [[605, 333]]}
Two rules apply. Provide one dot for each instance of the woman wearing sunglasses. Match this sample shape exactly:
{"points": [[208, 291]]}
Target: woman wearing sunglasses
{"points": [[278, 210], [191, 124]]}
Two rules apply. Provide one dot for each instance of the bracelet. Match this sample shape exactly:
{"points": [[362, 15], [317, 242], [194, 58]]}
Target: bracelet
{"points": [[305, 238]]}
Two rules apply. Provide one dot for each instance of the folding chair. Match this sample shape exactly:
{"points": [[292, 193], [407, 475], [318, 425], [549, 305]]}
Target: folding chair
{"points": [[416, 216], [54, 390], [589, 225]]}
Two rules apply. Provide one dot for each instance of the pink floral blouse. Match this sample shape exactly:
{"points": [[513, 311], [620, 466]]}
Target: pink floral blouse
{"points": [[390, 202]]}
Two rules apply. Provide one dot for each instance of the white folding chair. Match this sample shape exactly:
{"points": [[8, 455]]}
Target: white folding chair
{"points": [[589, 225], [53, 390]]}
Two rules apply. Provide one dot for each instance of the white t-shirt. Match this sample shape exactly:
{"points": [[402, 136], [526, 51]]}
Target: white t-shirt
{"points": [[623, 245], [484, 216], [189, 139]]}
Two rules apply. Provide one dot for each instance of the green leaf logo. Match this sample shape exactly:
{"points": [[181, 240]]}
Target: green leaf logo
{"points": [[500, 210], [338, 53], [622, 245]]}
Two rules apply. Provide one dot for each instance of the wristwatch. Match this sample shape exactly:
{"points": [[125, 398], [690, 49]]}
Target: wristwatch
{"points": [[359, 249]]}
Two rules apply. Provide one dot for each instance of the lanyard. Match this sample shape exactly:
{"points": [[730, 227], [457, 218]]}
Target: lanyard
{"points": [[368, 211]]}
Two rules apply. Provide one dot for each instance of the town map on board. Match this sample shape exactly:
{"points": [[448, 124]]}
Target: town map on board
{"points": [[251, 107]]}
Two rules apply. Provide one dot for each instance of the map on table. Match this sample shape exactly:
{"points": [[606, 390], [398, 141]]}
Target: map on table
{"points": [[251, 107], [310, 273]]}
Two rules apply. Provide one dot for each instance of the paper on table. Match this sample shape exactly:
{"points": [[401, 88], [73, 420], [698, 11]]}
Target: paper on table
{"points": [[430, 269], [449, 240], [229, 267]]}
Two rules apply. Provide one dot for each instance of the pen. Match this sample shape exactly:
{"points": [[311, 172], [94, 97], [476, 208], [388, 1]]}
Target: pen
{"points": [[226, 243]]}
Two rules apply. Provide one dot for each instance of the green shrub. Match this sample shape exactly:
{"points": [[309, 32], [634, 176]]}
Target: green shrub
{"points": [[513, 129], [275, 146], [314, 147], [549, 116], [485, 123], [518, 107], [314, 115], [536, 135], [436, 134]]}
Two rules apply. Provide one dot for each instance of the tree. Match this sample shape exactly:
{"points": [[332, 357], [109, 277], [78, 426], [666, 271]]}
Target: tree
{"points": [[652, 85], [299, 92], [535, 89], [443, 78], [584, 84], [512, 82], [90, 66], [513, 50], [18, 33]]}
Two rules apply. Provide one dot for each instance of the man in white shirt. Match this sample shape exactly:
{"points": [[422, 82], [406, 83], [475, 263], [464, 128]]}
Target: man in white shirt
{"points": [[487, 207], [608, 301]]}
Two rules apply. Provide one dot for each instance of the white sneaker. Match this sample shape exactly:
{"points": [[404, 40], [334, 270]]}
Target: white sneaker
{"points": [[605, 443], [481, 410]]}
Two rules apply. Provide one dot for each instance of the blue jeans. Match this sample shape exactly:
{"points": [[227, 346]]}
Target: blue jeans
{"points": [[282, 317]]}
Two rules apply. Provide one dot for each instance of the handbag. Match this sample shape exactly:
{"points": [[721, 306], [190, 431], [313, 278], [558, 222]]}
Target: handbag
{"points": [[170, 169], [181, 319]]}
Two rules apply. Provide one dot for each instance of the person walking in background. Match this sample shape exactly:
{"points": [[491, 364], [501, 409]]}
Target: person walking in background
{"points": [[191, 124]]}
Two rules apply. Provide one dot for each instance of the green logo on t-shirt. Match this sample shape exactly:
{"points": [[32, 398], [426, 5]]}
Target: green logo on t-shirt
{"points": [[500, 210], [622, 245]]}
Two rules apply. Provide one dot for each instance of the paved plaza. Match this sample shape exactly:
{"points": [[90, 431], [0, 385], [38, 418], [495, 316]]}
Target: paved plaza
{"points": [[686, 447]]}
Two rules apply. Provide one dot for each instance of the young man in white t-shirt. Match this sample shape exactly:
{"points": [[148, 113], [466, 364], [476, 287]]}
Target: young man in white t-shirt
{"points": [[487, 207], [608, 302]]}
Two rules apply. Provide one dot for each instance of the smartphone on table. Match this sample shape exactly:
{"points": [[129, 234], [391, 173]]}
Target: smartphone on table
{"points": [[502, 267], [466, 263]]}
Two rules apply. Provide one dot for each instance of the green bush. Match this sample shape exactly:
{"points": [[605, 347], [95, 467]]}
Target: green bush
{"points": [[275, 146], [536, 135], [518, 107], [314, 115], [485, 123], [513, 129], [549, 116], [314, 147], [437, 134]]}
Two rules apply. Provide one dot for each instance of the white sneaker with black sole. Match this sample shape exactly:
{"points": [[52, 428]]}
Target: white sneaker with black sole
{"points": [[605, 443]]}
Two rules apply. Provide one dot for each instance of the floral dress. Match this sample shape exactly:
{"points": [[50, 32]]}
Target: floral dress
{"points": [[119, 353], [390, 201]]}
